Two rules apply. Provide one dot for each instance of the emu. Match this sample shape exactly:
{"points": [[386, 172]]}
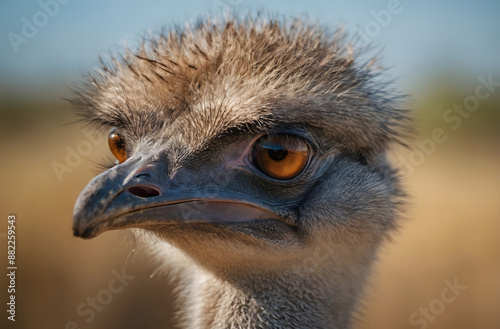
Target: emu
{"points": [[252, 155]]}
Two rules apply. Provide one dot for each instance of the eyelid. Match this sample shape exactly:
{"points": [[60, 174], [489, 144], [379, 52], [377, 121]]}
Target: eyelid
{"points": [[308, 139], [299, 132]]}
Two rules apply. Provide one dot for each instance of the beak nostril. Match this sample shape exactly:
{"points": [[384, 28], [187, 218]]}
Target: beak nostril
{"points": [[144, 191]]}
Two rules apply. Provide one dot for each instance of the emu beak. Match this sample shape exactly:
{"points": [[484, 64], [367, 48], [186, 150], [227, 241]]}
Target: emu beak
{"points": [[126, 196]]}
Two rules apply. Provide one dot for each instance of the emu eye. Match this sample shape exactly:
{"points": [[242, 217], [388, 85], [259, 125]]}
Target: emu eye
{"points": [[117, 145], [280, 156]]}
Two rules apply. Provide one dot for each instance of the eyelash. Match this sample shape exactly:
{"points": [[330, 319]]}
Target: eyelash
{"points": [[104, 163]]}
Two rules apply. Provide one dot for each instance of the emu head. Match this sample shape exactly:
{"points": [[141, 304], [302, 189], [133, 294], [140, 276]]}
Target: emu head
{"points": [[245, 144]]}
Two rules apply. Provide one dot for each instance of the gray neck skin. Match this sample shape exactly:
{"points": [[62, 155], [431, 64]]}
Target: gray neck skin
{"points": [[278, 300]]}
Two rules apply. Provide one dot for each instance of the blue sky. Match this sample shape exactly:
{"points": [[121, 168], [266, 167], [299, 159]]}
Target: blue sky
{"points": [[423, 37]]}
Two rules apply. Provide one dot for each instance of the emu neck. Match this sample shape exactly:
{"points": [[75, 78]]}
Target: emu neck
{"points": [[279, 300]]}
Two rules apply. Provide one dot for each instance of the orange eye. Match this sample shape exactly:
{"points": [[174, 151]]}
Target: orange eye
{"points": [[281, 156], [117, 145]]}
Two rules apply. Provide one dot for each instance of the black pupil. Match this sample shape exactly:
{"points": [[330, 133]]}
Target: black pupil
{"points": [[119, 142], [276, 152]]}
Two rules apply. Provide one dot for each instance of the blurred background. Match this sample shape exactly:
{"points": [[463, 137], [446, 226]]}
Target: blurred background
{"points": [[444, 54]]}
